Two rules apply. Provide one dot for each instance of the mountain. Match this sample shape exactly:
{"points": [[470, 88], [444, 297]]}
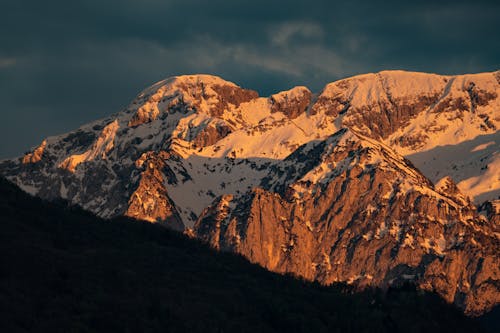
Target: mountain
{"points": [[65, 270], [372, 181], [350, 209]]}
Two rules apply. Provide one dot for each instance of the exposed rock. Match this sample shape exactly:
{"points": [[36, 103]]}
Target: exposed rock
{"points": [[145, 114], [99, 150], [447, 187], [371, 104], [77, 141], [229, 95], [367, 221], [479, 97], [150, 201], [292, 103], [211, 134], [36, 155], [457, 105], [201, 93], [491, 209]]}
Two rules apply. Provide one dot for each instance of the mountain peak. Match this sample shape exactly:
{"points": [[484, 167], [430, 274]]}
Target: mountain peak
{"points": [[174, 82], [203, 93], [190, 81]]}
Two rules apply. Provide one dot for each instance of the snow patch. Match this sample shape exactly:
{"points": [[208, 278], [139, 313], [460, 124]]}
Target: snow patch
{"points": [[483, 146]]}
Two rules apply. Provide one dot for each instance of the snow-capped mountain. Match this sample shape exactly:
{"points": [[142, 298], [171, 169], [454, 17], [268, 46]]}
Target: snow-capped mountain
{"points": [[198, 151]]}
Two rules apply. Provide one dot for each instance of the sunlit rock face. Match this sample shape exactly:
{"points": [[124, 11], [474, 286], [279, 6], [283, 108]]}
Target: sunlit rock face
{"points": [[36, 155], [150, 201], [332, 186], [349, 209], [292, 103]]}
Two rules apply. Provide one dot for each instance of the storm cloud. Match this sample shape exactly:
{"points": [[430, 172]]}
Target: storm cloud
{"points": [[64, 63]]}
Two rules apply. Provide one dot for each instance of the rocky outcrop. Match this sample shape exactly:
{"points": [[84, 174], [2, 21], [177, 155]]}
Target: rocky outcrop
{"points": [[150, 201], [447, 187], [99, 150], [228, 96], [292, 103], [367, 221], [491, 210], [36, 155], [479, 97], [211, 134]]}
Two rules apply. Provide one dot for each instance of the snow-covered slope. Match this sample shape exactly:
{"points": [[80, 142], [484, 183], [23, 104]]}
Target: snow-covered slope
{"points": [[473, 164]]}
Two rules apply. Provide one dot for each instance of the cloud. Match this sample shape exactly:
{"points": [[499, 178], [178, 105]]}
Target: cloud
{"points": [[284, 33], [7, 62]]}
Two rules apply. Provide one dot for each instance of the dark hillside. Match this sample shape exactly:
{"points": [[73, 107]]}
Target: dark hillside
{"points": [[65, 270]]}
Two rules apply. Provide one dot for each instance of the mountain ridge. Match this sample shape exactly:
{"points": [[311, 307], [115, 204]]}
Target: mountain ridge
{"points": [[219, 129], [188, 146]]}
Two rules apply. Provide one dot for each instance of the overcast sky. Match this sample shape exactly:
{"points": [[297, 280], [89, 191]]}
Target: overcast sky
{"points": [[65, 63]]}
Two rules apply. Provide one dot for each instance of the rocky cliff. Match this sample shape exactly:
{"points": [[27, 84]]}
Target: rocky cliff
{"points": [[350, 209]]}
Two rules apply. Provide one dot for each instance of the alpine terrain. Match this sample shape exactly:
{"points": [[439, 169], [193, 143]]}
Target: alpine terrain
{"points": [[378, 180]]}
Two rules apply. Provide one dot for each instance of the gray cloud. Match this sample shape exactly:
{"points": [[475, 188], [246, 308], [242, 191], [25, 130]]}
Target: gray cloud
{"points": [[66, 63]]}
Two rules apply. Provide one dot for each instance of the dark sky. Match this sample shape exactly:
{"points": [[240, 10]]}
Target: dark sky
{"points": [[65, 63]]}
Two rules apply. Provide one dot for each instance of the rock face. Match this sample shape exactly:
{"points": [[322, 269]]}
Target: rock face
{"points": [[491, 210], [292, 103], [36, 155], [313, 184], [150, 201], [370, 218], [98, 150]]}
